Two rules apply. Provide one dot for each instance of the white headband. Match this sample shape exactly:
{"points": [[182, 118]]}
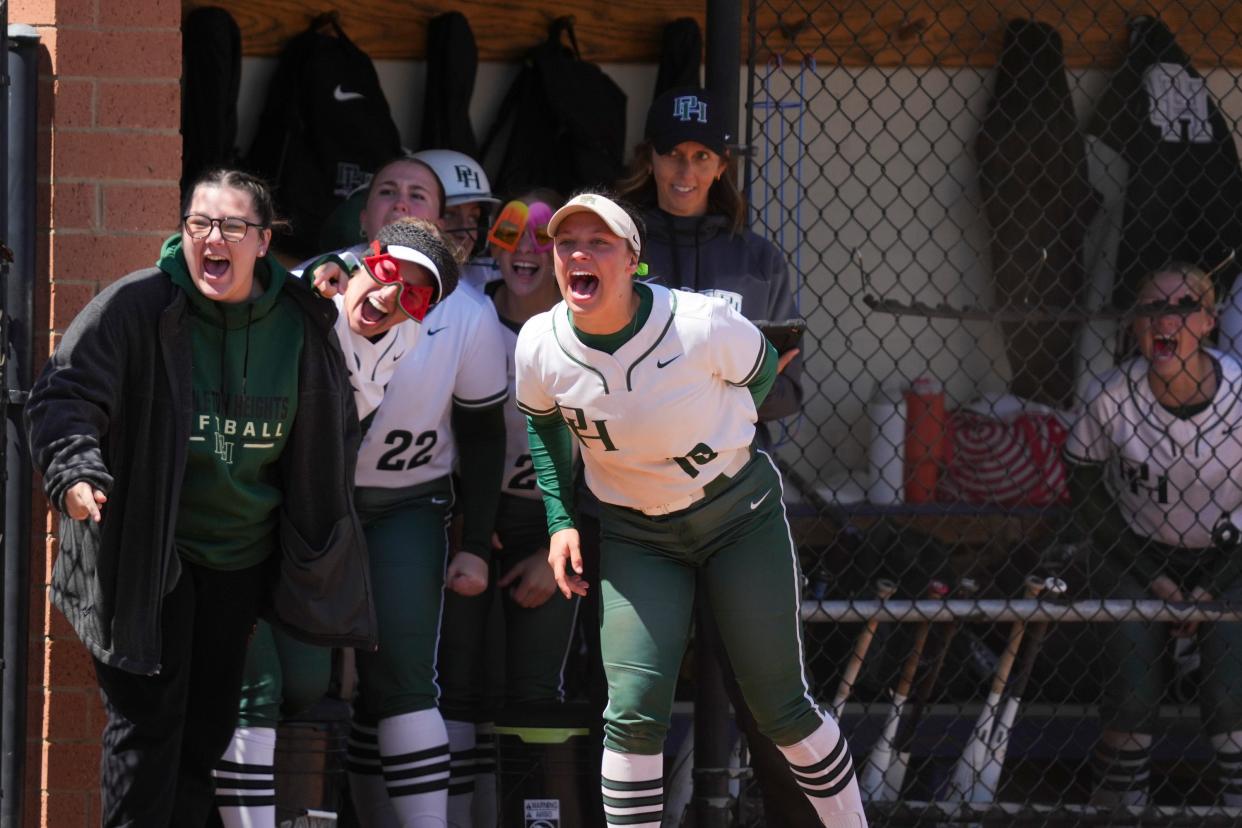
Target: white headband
{"points": [[618, 221], [405, 254]]}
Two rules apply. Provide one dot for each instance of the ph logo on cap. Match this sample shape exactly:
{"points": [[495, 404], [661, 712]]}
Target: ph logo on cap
{"points": [[468, 177], [687, 107]]}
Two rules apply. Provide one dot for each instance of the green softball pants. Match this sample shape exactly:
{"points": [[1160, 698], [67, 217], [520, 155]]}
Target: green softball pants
{"points": [[739, 538]]}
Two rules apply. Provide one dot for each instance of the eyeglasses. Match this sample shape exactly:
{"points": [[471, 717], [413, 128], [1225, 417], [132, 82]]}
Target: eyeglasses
{"points": [[384, 268], [518, 217], [232, 228], [1162, 307]]}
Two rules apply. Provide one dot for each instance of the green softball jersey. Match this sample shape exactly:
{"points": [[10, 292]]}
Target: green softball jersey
{"points": [[245, 383]]}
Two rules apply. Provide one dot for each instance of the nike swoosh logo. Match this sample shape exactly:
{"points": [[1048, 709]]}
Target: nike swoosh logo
{"points": [[439, 501], [667, 361], [434, 331], [341, 95], [754, 504]]}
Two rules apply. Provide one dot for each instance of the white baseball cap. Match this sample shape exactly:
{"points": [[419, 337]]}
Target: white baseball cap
{"points": [[618, 221]]}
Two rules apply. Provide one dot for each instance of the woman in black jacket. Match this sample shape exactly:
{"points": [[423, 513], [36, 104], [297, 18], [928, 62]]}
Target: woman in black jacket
{"points": [[196, 430], [697, 240]]}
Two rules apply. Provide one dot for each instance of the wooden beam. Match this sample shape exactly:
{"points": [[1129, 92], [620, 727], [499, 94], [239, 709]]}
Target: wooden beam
{"points": [[970, 32], [623, 31], [833, 32]]}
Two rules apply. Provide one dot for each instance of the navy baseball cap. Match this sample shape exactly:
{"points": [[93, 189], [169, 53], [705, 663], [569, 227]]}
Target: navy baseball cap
{"points": [[686, 114]]}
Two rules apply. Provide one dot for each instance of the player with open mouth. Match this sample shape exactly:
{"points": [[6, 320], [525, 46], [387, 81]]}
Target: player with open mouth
{"points": [[660, 389], [1153, 475]]}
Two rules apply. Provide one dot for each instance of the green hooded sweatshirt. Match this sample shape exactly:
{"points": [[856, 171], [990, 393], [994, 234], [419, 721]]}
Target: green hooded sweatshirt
{"points": [[245, 359]]}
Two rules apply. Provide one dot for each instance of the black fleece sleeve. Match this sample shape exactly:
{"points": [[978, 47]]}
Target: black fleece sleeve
{"points": [[785, 398], [480, 436], [72, 402]]}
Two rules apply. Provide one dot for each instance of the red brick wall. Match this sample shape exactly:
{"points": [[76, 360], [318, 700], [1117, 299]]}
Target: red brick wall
{"points": [[109, 117]]}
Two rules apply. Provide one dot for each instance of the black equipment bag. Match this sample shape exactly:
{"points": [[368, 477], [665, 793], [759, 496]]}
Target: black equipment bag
{"points": [[211, 55], [681, 46], [562, 123], [452, 62], [324, 129]]}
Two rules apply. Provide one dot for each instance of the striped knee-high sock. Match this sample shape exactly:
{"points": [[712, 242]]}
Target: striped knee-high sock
{"points": [[825, 771], [367, 792], [461, 773], [633, 785], [246, 779], [1228, 747], [485, 795], [414, 753], [1122, 764]]}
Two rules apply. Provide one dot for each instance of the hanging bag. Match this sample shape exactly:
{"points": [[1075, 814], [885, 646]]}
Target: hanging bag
{"points": [[324, 129]]}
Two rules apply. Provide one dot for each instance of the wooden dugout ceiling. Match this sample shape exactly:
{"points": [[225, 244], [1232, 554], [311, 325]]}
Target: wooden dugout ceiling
{"points": [[846, 32]]}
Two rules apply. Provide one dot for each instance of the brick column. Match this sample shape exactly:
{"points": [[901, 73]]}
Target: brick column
{"points": [[109, 119]]}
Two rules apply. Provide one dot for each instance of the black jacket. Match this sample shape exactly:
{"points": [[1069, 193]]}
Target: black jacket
{"points": [[113, 407]]}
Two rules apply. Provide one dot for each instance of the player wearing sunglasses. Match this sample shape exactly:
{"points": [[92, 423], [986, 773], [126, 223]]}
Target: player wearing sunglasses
{"points": [[532, 653], [1153, 474]]}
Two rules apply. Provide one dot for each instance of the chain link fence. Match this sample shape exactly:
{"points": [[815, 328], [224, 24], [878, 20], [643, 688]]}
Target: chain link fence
{"points": [[972, 197]]}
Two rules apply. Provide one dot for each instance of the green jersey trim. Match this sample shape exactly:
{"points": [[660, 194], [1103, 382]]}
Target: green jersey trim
{"points": [[556, 333]]}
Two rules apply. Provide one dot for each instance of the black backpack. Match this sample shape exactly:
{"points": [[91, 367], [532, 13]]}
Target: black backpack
{"points": [[324, 129], [562, 123], [452, 62], [211, 55]]}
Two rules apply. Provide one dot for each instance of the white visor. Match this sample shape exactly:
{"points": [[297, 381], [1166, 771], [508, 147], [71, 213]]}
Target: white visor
{"points": [[618, 221], [405, 254]]}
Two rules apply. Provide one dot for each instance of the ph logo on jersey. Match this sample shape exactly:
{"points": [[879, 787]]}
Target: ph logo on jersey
{"points": [[688, 107], [468, 177]]}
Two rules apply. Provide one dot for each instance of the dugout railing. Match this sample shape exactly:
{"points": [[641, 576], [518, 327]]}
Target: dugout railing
{"points": [[968, 195]]}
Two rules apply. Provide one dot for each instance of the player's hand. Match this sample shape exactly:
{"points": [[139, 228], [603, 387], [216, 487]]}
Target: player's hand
{"points": [[565, 558], [530, 581], [1165, 589], [782, 361], [1197, 594], [467, 574], [84, 501], [329, 279]]}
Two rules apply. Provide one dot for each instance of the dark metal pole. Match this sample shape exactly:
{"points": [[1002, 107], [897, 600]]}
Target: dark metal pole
{"points": [[711, 703], [19, 156]]}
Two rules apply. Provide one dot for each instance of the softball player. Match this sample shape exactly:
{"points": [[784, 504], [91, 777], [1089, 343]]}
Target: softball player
{"points": [[536, 631], [444, 399], [468, 206], [1154, 478], [660, 388]]}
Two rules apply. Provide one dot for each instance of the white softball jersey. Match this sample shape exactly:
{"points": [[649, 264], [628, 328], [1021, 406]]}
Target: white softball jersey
{"points": [[1173, 477], [665, 414], [459, 359], [372, 364], [519, 479]]}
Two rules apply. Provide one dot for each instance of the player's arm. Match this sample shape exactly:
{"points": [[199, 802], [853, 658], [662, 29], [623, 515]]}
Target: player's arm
{"points": [[480, 437], [552, 456], [785, 398], [1226, 567], [765, 381]]}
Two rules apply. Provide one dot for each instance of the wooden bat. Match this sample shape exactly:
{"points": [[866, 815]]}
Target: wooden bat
{"points": [[884, 589], [873, 780], [989, 775], [975, 754], [923, 693]]}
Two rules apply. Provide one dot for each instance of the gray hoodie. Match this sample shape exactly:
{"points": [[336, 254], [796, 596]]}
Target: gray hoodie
{"points": [[700, 253]]}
